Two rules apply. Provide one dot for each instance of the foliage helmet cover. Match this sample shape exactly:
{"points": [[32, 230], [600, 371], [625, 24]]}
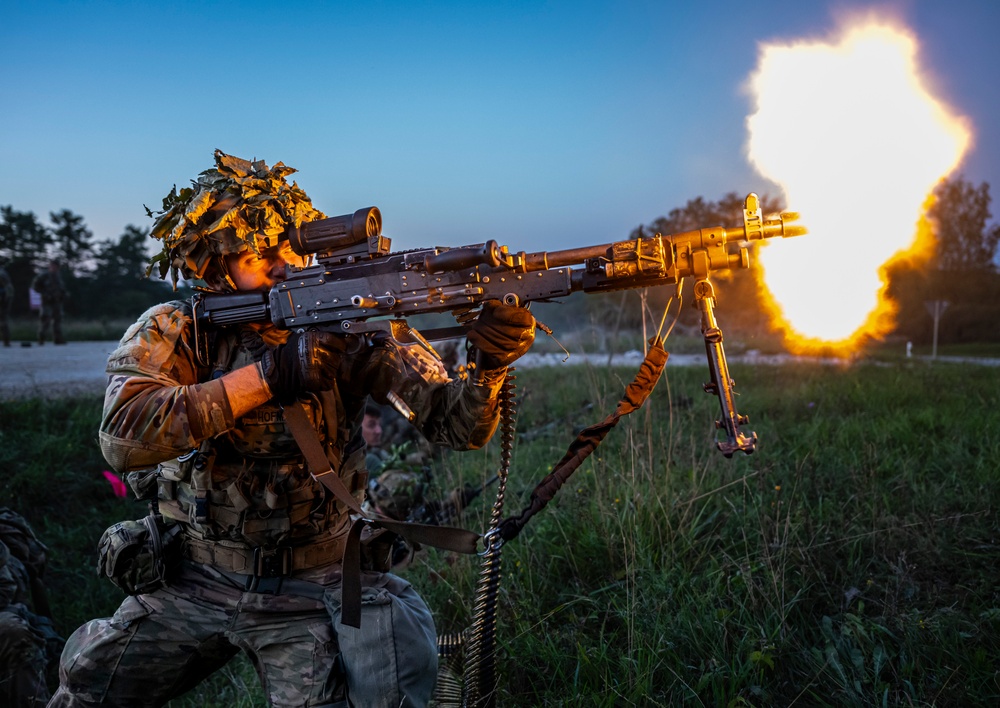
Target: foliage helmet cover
{"points": [[235, 206]]}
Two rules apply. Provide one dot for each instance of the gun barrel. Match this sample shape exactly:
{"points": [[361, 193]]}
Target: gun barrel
{"points": [[543, 260], [771, 228]]}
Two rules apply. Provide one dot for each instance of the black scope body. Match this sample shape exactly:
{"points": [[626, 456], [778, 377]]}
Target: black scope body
{"points": [[336, 232]]}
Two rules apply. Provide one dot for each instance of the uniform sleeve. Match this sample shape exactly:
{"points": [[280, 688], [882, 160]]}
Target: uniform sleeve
{"points": [[453, 413], [8, 583], [156, 407]]}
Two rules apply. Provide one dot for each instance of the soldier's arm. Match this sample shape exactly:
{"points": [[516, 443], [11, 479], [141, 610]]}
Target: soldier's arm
{"points": [[155, 407]]}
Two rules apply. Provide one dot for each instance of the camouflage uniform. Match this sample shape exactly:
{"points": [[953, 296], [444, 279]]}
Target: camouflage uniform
{"points": [[244, 496], [6, 301], [27, 640], [50, 286]]}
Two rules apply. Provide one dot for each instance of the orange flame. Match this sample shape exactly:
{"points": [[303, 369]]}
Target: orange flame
{"points": [[856, 141]]}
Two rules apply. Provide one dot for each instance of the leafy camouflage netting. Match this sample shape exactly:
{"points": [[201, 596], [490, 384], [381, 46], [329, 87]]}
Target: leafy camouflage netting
{"points": [[237, 205]]}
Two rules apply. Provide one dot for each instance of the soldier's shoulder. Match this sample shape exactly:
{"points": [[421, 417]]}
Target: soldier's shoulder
{"points": [[165, 317], [156, 339]]}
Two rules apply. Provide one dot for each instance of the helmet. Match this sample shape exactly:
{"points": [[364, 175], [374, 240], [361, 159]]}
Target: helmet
{"points": [[237, 205], [396, 493]]}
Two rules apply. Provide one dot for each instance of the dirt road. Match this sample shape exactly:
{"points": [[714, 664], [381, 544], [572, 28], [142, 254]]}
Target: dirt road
{"points": [[77, 368]]}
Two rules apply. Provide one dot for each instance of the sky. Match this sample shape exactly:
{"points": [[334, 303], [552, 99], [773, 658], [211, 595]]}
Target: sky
{"points": [[543, 125]]}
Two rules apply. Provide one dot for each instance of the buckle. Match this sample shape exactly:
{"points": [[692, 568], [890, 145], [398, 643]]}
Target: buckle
{"points": [[272, 562], [270, 567]]}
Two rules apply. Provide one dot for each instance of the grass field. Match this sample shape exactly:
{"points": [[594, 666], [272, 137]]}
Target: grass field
{"points": [[851, 561]]}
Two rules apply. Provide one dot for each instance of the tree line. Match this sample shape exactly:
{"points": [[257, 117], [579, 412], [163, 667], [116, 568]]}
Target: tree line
{"points": [[106, 279]]}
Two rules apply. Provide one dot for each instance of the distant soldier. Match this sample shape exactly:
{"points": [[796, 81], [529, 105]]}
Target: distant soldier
{"points": [[50, 286], [371, 431], [28, 643], [6, 300], [451, 352]]}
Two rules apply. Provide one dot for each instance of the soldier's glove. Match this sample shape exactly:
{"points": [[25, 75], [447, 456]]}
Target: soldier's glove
{"points": [[502, 334], [308, 361]]}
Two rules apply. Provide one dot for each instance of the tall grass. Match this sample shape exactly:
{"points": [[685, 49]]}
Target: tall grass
{"points": [[851, 561], [74, 329]]}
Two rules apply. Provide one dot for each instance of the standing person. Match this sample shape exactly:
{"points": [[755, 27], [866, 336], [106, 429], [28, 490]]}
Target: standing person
{"points": [[50, 286], [6, 301], [261, 542]]}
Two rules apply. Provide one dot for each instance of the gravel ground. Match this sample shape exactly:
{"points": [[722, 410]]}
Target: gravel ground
{"points": [[77, 368], [49, 371]]}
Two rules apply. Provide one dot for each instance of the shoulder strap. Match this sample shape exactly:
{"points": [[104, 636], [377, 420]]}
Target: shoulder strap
{"points": [[446, 537]]}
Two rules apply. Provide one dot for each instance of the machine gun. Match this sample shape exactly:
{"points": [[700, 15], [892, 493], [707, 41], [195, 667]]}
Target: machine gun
{"points": [[357, 286]]}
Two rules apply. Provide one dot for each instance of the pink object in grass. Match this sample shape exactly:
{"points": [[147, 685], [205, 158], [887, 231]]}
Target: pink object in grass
{"points": [[120, 490]]}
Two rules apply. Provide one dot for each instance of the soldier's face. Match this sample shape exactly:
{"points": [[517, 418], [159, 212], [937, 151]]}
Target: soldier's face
{"points": [[371, 430], [252, 272]]}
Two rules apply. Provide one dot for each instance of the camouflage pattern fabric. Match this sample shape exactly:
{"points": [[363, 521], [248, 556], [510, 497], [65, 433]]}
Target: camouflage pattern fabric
{"points": [[161, 644], [28, 642], [249, 488], [396, 492]]}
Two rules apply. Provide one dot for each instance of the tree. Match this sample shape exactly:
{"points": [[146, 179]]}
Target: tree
{"points": [[72, 239], [123, 260], [23, 244], [962, 273], [117, 288], [23, 239], [959, 215]]}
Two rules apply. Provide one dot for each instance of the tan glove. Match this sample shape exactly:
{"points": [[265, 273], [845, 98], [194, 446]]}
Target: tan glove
{"points": [[308, 361], [502, 334]]}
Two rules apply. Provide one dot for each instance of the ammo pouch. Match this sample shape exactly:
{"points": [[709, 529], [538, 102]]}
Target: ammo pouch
{"points": [[377, 549], [143, 483], [140, 556]]}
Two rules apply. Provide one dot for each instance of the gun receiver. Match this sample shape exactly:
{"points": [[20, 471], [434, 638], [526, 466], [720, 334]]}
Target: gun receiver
{"points": [[357, 286]]}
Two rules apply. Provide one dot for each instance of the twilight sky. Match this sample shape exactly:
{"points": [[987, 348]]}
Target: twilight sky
{"points": [[544, 125]]}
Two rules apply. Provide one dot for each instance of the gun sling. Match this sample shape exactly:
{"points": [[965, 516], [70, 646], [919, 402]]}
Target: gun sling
{"points": [[588, 440], [447, 537]]}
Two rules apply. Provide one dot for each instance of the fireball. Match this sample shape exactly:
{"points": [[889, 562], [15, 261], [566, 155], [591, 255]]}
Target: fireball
{"points": [[850, 131]]}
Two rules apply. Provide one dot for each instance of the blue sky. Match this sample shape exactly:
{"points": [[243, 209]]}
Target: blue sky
{"points": [[543, 125]]}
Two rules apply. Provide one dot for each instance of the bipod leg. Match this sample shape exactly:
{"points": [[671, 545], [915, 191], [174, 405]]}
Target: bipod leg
{"points": [[721, 385]]}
